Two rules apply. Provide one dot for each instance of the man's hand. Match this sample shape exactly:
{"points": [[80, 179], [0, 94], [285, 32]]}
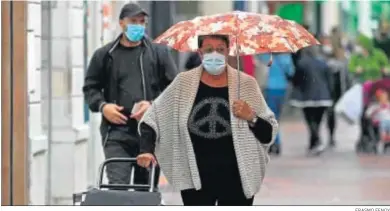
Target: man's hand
{"points": [[112, 113], [145, 159], [143, 107]]}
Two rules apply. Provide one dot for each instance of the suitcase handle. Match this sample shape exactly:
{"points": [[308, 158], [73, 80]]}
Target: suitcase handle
{"points": [[152, 174]]}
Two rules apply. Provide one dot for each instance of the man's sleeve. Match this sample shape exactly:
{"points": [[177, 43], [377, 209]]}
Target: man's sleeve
{"points": [[93, 83], [193, 61], [167, 66]]}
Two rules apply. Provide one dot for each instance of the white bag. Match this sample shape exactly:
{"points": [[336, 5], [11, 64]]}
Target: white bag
{"points": [[350, 106]]}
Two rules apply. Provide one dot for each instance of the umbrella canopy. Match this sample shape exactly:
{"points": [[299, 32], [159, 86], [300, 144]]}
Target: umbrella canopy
{"points": [[252, 33]]}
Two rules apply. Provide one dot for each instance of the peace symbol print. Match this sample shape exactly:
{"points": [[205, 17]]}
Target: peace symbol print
{"points": [[211, 119]]}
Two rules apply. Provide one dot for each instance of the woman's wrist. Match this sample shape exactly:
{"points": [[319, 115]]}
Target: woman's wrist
{"points": [[253, 119]]}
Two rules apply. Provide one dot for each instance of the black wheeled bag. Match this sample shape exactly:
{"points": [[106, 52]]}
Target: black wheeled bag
{"points": [[127, 195]]}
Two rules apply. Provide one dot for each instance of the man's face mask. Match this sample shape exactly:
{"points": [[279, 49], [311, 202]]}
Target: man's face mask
{"points": [[135, 32]]}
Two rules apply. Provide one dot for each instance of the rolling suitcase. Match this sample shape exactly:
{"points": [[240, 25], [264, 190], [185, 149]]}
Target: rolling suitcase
{"points": [[106, 195]]}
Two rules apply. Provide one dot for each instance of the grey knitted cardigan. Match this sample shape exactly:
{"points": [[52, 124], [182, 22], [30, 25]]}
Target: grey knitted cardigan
{"points": [[168, 117]]}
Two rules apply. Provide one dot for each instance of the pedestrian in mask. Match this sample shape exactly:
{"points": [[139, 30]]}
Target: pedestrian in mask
{"points": [[338, 65], [211, 145], [368, 62], [123, 78], [382, 40]]}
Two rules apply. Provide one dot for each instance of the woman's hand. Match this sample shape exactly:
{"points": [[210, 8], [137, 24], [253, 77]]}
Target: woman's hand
{"points": [[145, 159], [242, 110]]}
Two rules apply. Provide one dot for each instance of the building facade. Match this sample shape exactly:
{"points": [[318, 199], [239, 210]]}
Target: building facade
{"points": [[63, 143]]}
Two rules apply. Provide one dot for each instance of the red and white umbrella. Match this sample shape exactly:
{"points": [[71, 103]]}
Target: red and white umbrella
{"points": [[252, 33]]}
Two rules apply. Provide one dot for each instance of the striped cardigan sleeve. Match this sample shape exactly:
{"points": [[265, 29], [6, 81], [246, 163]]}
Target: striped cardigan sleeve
{"points": [[159, 110]]}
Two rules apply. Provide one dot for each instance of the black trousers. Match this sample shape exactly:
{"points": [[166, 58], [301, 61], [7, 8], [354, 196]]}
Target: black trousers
{"points": [[313, 117], [331, 118], [192, 197], [119, 173]]}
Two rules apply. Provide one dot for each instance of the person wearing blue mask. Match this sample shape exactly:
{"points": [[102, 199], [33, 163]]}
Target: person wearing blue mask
{"points": [[211, 143], [280, 70], [122, 79]]}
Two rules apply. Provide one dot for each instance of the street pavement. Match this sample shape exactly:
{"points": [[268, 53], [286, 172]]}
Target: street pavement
{"points": [[337, 177]]}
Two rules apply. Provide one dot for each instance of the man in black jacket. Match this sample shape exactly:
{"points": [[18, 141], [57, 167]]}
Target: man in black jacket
{"points": [[123, 78]]}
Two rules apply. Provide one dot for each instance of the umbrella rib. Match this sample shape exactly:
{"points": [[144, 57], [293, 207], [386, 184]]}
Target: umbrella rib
{"points": [[188, 36]]}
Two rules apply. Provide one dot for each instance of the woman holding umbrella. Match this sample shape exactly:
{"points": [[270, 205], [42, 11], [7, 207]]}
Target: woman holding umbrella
{"points": [[208, 128], [211, 128]]}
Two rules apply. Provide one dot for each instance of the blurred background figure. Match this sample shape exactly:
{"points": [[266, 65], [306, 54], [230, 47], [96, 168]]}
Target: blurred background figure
{"points": [[296, 56], [382, 38], [338, 65], [368, 62], [312, 93], [276, 85], [336, 38]]}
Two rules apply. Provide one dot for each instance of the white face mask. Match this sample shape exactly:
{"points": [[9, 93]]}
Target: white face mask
{"points": [[214, 63], [344, 42], [327, 49], [358, 49]]}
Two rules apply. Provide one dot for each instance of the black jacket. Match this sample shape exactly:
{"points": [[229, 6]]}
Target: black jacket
{"points": [[100, 83], [193, 61], [313, 81]]}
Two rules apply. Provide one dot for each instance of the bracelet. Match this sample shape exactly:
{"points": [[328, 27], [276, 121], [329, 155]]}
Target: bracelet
{"points": [[101, 106]]}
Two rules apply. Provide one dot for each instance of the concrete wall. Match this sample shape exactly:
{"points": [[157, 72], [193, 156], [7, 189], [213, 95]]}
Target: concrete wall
{"points": [[365, 26], [37, 138], [68, 169], [215, 7], [331, 16]]}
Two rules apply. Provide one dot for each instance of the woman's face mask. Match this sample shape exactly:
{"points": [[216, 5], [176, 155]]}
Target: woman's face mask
{"points": [[327, 49], [214, 63], [135, 32]]}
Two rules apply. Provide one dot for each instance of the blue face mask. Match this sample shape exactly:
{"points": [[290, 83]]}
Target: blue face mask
{"points": [[214, 63], [135, 32]]}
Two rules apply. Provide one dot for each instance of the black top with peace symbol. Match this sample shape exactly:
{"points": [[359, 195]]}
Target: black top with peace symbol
{"points": [[211, 136]]}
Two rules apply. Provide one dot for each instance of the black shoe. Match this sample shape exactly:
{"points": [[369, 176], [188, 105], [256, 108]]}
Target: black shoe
{"points": [[274, 149], [316, 150], [332, 143]]}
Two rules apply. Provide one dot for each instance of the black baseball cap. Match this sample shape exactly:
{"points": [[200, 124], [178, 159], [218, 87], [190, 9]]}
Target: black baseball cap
{"points": [[131, 10]]}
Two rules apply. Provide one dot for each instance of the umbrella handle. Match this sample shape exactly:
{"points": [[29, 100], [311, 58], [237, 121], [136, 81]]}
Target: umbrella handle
{"points": [[270, 60], [238, 67], [240, 122]]}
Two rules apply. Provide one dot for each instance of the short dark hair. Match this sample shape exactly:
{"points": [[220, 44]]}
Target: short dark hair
{"points": [[335, 29], [224, 38], [306, 26]]}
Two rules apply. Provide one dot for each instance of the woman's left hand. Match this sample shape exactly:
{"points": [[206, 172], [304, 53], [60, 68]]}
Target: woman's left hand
{"points": [[242, 110]]}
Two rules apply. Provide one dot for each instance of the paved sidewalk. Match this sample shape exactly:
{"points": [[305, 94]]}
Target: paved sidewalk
{"points": [[338, 177]]}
